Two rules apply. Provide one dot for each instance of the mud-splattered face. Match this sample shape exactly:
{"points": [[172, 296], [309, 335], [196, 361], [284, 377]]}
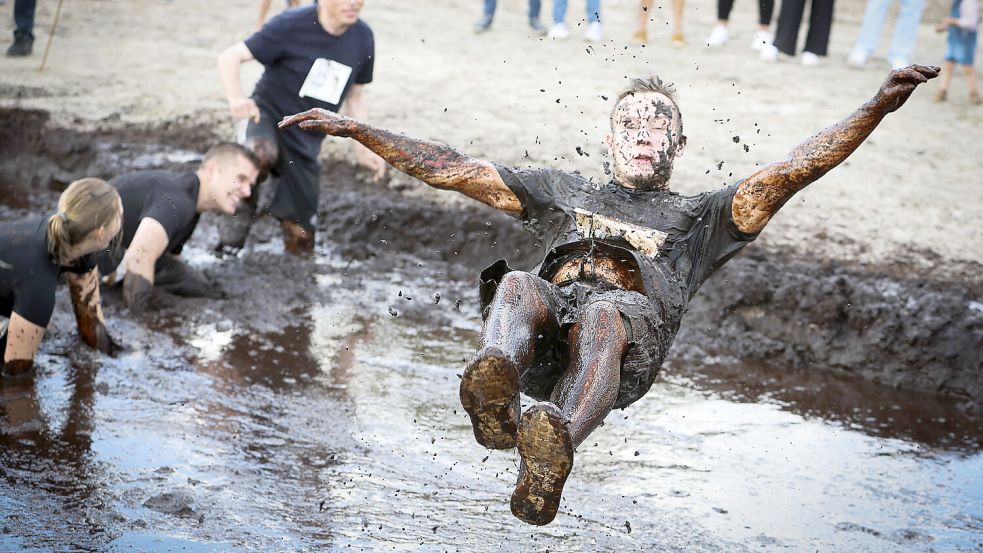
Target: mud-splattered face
{"points": [[644, 140], [232, 181], [344, 12]]}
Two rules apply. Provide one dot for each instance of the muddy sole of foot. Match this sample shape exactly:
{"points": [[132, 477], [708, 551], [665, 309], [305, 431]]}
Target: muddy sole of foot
{"points": [[547, 457], [490, 395]]}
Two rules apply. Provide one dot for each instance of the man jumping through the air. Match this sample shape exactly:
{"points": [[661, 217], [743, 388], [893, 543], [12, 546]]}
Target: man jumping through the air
{"points": [[587, 330]]}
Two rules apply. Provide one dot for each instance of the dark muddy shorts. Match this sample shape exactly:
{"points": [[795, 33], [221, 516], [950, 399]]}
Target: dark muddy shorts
{"points": [[295, 178], [646, 344]]}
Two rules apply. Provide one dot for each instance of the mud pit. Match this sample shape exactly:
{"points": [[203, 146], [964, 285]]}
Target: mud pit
{"points": [[317, 408]]}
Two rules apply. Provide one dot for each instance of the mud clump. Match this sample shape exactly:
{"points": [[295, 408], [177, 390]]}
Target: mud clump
{"points": [[178, 503]]}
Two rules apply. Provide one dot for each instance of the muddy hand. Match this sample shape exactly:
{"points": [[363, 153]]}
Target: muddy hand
{"points": [[901, 83], [105, 342], [244, 108], [138, 293], [318, 119]]}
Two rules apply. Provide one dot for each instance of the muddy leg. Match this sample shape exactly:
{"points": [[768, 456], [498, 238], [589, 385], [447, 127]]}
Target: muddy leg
{"points": [[585, 394], [947, 69], [490, 385]]}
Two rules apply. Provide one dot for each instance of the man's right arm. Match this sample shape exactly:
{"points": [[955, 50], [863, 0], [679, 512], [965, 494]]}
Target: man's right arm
{"points": [[148, 244], [241, 106], [434, 163]]}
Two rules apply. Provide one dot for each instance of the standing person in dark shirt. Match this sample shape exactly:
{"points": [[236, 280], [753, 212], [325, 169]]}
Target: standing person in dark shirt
{"points": [[34, 253], [161, 212], [587, 330], [316, 56]]}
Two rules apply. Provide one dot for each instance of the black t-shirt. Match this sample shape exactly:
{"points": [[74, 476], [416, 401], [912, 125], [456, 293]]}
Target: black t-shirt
{"points": [[675, 241], [307, 67], [169, 198], [28, 275]]}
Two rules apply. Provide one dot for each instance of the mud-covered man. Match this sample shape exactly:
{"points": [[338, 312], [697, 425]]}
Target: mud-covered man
{"points": [[587, 330], [317, 56], [161, 211]]}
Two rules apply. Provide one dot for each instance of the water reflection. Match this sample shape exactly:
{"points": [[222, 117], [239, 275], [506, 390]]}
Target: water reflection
{"points": [[927, 419], [53, 487]]}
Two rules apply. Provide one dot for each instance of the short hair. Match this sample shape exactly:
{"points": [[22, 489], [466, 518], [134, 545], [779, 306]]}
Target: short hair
{"points": [[230, 149], [651, 83]]}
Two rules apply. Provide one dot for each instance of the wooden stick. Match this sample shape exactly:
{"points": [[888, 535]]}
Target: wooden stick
{"points": [[51, 36]]}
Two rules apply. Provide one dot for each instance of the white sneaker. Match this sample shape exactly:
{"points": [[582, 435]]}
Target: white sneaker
{"points": [[594, 32], [718, 36], [898, 63], [857, 57], [559, 31], [761, 39], [809, 59], [769, 52]]}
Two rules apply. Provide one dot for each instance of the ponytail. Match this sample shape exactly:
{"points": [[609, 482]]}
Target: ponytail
{"points": [[84, 206]]}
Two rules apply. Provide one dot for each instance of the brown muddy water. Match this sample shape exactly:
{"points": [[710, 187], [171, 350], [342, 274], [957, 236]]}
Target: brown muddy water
{"points": [[317, 410]]}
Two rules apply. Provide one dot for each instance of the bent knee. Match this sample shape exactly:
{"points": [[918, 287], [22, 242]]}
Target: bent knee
{"points": [[265, 149], [519, 286], [602, 316]]}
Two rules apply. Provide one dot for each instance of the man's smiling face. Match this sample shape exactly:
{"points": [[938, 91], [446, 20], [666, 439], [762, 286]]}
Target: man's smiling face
{"points": [[644, 140]]}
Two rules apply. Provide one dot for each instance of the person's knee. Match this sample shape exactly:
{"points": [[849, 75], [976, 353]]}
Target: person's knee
{"points": [[602, 317], [265, 149], [519, 288]]}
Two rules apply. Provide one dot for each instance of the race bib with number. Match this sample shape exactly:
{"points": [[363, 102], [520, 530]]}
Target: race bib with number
{"points": [[326, 81]]}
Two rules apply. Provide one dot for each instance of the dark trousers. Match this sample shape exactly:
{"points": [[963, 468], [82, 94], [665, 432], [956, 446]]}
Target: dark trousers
{"points": [[820, 23], [24, 17], [765, 9]]}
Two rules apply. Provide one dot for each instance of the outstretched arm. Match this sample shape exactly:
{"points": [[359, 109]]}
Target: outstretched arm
{"points": [[762, 194], [434, 163], [84, 291]]}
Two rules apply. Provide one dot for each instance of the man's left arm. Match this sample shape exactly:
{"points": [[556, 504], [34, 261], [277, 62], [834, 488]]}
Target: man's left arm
{"points": [[762, 194], [84, 291], [356, 107]]}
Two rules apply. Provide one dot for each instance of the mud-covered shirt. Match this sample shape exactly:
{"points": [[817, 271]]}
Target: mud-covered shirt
{"points": [[28, 274], [306, 67], [169, 198], [676, 242]]}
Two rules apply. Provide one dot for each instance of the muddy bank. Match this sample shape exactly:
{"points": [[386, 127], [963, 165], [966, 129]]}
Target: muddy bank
{"points": [[776, 308]]}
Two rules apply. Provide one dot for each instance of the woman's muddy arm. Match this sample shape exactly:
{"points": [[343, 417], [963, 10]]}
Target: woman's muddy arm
{"points": [[23, 340], [434, 163], [84, 291], [762, 194]]}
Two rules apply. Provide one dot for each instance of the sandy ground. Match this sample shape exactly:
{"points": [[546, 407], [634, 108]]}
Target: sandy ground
{"points": [[517, 99]]}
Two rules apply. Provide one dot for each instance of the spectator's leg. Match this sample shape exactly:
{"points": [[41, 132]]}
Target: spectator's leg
{"points": [[24, 17], [593, 11], [870, 27], [488, 12], [766, 8], [820, 24], [789, 20], [559, 11], [723, 10], [905, 31]]}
